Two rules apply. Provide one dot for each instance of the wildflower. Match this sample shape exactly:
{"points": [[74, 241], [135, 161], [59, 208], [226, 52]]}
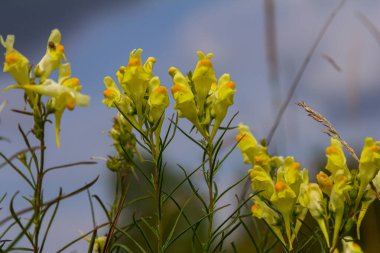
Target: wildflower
{"points": [[224, 97], [336, 159], [337, 201], [15, 63], [158, 100], [134, 79], [64, 94], [261, 182], [369, 166], [312, 198], [284, 199], [325, 183], [247, 144], [55, 53], [203, 77], [184, 99], [112, 93], [366, 201]]}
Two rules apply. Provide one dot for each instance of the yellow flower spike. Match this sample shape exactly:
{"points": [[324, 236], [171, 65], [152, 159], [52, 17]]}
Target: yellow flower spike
{"points": [[203, 77], [369, 166], [262, 211], [247, 144], [367, 200], [112, 93], [337, 201], [55, 53], [261, 182], [15, 63], [311, 197], [336, 159], [349, 246], [324, 182], [134, 80], [284, 199], [224, 97], [184, 99], [64, 95]]}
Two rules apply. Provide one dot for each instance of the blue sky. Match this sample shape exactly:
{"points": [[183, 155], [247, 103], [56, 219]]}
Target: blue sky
{"points": [[99, 37]]}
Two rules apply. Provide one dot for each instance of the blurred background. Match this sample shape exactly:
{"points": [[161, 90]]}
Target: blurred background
{"points": [[262, 44]]}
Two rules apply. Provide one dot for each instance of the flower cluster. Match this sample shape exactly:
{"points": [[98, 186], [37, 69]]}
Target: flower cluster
{"points": [[278, 196], [200, 97], [64, 93], [284, 194], [142, 99]]}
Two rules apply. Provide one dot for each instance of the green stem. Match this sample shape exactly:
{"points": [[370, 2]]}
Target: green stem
{"points": [[157, 173], [210, 154], [38, 201]]}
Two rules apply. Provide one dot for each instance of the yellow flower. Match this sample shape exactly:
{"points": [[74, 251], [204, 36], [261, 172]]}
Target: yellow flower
{"points": [[112, 93], [337, 201], [366, 201], [64, 94], [324, 182], [247, 144], [224, 97], [369, 165], [336, 159], [284, 199], [134, 79], [261, 182], [98, 244], [203, 77], [15, 63], [312, 198], [184, 99], [55, 53], [158, 100]]}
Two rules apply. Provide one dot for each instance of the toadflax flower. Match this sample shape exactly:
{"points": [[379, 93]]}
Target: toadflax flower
{"points": [[369, 166], [247, 144], [55, 53], [223, 98], [112, 93], [337, 201], [284, 200], [134, 79], [336, 159], [312, 198], [15, 63], [184, 99], [64, 94], [203, 77]]}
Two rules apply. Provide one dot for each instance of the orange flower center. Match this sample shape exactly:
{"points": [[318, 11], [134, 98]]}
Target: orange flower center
{"points": [[279, 186], [332, 150], [134, 62], [176, 88], [231, 85], [60, 48], [161, 90], [205, 63], [109, 93], [12, 58]]}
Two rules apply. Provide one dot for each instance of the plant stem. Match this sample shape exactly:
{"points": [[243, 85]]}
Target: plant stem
{"points": [[157, 175], [38, 201], [210, 154]]}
